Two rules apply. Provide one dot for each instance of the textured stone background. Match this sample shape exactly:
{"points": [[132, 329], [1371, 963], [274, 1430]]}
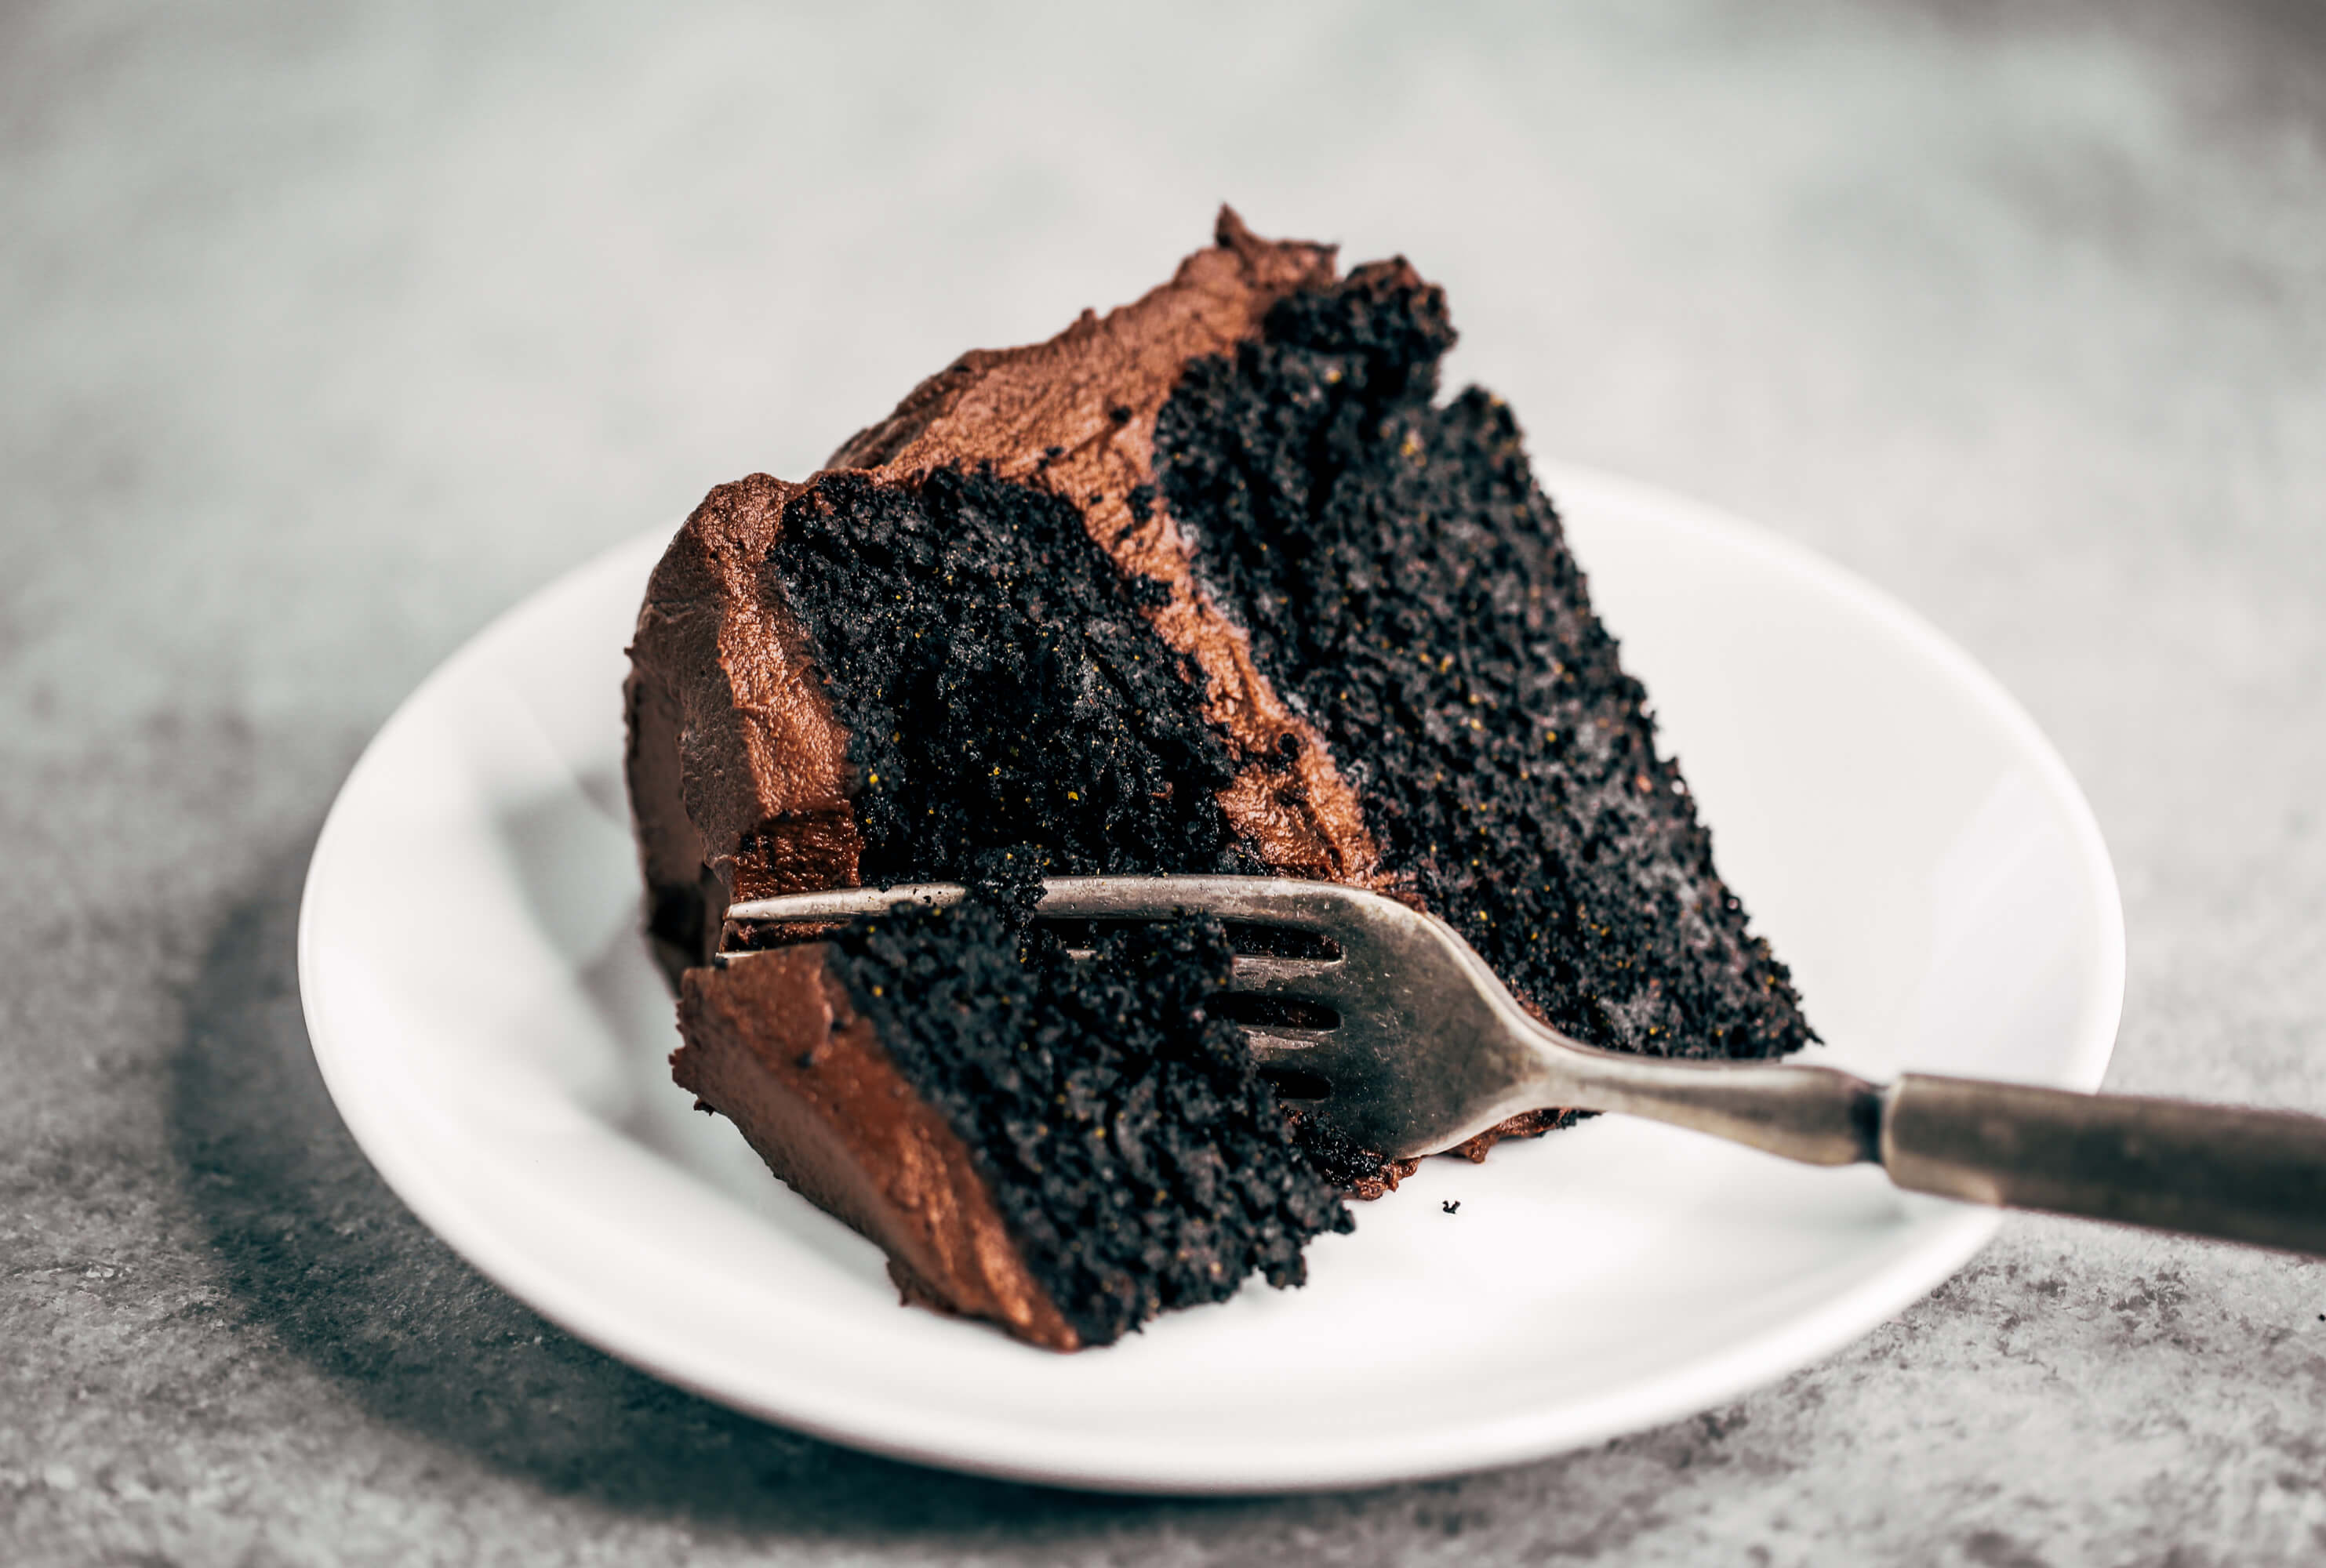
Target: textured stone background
{"points": [[324, 336]]}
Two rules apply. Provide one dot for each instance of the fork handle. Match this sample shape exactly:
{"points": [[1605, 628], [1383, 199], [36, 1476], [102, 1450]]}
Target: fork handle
{"points": [[2256, 1176]]}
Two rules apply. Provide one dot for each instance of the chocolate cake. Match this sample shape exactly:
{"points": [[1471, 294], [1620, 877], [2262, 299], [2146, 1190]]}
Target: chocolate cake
{"points": [[1213, 583]]}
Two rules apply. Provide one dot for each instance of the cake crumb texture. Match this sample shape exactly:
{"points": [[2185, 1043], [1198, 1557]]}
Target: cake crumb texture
{"points": [[1000, 682], [1406, 586], [1139, 1160]]}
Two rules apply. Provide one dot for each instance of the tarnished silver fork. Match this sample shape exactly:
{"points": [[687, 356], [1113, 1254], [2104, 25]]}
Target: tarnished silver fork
{"points": [[1417, 1047]]}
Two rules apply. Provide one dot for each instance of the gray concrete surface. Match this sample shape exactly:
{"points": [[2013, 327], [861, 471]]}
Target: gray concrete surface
{"points": [[325, 335]]}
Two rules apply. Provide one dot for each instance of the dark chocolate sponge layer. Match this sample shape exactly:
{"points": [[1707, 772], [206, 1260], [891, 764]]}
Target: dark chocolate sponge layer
{"points": [[1000, 683], [1139, 1162], [1406, 586]]}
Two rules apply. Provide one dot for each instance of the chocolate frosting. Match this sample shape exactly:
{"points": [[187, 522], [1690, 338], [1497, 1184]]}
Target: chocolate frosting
{"points": [[736, 763]]}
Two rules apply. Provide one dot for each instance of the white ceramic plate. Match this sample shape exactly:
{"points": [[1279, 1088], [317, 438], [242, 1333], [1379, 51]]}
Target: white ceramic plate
{"points": [[489, 1024]]}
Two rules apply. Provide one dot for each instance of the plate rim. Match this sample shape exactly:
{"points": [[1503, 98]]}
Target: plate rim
{"points": [[1079, 1462]]}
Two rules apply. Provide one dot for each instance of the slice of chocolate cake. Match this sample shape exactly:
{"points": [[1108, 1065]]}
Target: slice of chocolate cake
{"points": [[1212, 583]]}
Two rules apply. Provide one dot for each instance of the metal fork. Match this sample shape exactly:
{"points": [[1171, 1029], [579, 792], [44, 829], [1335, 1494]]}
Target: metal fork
{"points": [[1431, 1049]]}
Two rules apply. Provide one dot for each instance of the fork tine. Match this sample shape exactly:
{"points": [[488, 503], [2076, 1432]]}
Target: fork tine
{"points": [[1259, 900], [1273, 1045], [1271, 976], [842, 902]]}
